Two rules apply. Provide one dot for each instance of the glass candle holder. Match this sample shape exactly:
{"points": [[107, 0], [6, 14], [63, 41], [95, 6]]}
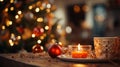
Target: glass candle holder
{"points": [[80, 51], [106, 47]]}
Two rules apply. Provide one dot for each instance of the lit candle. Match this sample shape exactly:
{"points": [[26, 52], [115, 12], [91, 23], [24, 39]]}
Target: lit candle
{"points": [[79, 53]]}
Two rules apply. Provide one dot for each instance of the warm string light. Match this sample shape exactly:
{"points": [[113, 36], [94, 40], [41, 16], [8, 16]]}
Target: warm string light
{"points": [[40, 19], [3, 27], [11, 42], [68, 29], [13, 36], [30, 7], [14, 39], [41, 8], [18, 37], [39, 41], [37, 9], [46, 27], [16, 16], [8, 23], [11, 8], [33, 35], [6, 10], [41, 37], [19, 12], [1, 0], [11, 1], [53, 41], [48, 10], [48, 5]]}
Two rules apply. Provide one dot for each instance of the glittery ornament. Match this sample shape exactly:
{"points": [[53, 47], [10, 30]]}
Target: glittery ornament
{"points": [[37, 48]]}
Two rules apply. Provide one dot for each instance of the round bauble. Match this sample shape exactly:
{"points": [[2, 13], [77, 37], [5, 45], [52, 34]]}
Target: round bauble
{"points": [[38, 31], [54, 50], [37, 48]]}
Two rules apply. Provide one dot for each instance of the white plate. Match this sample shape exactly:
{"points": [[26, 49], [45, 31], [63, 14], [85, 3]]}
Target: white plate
{"points": [[85, 60]]}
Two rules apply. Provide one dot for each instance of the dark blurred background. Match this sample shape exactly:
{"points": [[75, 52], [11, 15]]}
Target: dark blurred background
{"points": [[26, 23]]}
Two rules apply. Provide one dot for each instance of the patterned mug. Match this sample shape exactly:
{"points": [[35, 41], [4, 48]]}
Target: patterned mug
{"points": [[106, 47]]}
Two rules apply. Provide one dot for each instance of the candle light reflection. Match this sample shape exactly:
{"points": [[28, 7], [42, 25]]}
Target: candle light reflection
{"points": [[80, 65]]}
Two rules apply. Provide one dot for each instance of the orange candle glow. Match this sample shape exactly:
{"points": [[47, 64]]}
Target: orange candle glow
{"points": [[79, 53]]}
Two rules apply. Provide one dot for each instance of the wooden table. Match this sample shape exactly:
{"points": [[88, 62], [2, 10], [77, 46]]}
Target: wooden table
{"points": [[44, 60]]}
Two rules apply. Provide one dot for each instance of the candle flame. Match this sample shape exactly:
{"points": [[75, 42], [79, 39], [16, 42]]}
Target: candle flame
{"points": [[78, 47]]}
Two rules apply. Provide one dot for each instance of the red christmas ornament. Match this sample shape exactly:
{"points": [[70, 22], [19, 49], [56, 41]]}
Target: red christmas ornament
{"points": [[37, 48], [20, 30], [38, 31], [54, 50], [18, 4]]}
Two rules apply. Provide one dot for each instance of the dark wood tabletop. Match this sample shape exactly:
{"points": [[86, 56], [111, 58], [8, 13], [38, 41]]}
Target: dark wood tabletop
{"points": [[44, 60]]}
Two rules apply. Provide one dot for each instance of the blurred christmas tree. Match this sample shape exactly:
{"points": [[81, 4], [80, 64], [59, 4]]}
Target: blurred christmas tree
{"points": [[24, 23]]}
